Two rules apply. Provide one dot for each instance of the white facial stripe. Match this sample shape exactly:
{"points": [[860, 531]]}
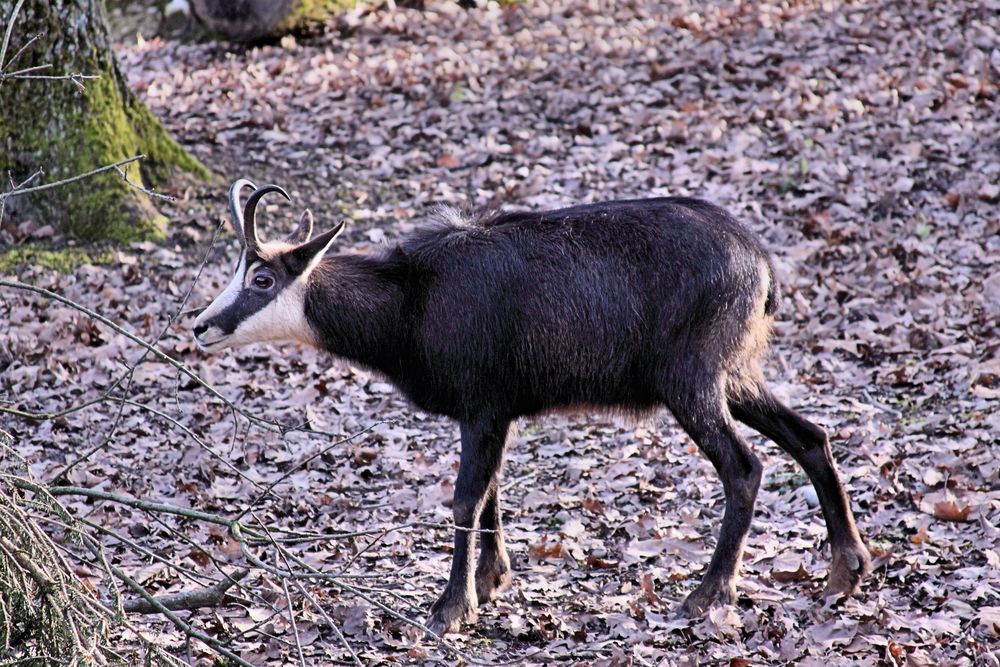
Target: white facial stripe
{"points": [[249, 274], [282, 319], [273, 249], [228, 295]]}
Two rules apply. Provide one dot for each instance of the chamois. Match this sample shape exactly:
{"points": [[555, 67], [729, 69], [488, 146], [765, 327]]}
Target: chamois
{"points": [[629, 305]]}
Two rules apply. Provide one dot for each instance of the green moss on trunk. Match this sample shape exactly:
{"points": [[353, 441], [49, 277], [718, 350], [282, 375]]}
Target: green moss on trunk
{"points": [[251, 20], [54, 126], [308, 13]]}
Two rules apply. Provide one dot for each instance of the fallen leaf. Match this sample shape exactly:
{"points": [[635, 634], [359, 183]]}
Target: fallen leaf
{"points": [[785, 577], [649, 591], [949, 510], [989, 618], [600, 563], [544, 550], [592, 505], [834, 631]]}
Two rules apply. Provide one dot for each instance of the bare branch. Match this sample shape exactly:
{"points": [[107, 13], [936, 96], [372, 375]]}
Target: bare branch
{"points": [[179, 623], [21, 51], [312, 457], [128, 375], [288, 574], [14, 186], [160, 354], [29, 179], [144, 505], [291, 620], [124, 174], [187, 600], [204, 446], [329, 621], [23, 191], [135, 339], [10, 30], [75, 78], [27, 70]]}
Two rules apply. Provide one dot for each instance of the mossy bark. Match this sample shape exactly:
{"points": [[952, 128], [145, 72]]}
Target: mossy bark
{"points": [[307, 13], [55, 126], [249, 20]]}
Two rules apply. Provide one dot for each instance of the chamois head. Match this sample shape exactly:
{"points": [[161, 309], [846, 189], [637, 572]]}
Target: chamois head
{"points": [[264, 301]]}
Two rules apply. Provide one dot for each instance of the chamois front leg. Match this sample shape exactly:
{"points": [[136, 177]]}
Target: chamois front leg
{"points": [[493, 571], [482, 452]]}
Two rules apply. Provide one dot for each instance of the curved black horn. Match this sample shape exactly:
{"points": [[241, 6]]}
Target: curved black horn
{"points": [[250, 212], [235, 210]]}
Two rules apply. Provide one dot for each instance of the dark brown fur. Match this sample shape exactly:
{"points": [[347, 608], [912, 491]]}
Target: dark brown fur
{"points": [[627, 305]]}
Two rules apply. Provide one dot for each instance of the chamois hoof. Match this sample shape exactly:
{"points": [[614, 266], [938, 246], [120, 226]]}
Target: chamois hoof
{"points": [[848, 568], [708, 594], [450, 613], [491, 580]]}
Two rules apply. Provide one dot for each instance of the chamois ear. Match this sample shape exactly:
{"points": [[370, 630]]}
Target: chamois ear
{"points": [[304, 231], [304, 259]]}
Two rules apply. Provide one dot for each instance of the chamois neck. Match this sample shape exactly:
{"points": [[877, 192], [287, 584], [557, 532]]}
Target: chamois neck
{"points": [[354, 307]]}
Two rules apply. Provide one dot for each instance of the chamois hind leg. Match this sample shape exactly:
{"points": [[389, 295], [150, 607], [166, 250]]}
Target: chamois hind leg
{"points": [[482, 452], [493, 571], [705, 417], [809, 445]]}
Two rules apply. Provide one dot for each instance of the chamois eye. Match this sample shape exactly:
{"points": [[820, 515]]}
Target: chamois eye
{"points": [[263, 281]]}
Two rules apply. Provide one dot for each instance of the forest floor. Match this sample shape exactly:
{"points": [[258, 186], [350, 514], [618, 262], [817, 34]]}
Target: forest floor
{"points": [[860, 140]]}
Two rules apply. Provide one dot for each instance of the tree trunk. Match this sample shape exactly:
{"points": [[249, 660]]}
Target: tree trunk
{"points": [[51, 124], [247, 20]]}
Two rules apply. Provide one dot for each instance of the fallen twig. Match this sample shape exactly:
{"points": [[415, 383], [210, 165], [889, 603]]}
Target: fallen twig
{"points": [[329, 621], [144, 505], [186, 600]]}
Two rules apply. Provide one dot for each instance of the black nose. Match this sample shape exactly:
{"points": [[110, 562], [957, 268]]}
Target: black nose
{"points": [[199, 329]]}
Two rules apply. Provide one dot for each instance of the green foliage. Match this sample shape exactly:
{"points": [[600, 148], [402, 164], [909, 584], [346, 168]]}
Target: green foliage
{"points": [[64, 260], [47, 616]]}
